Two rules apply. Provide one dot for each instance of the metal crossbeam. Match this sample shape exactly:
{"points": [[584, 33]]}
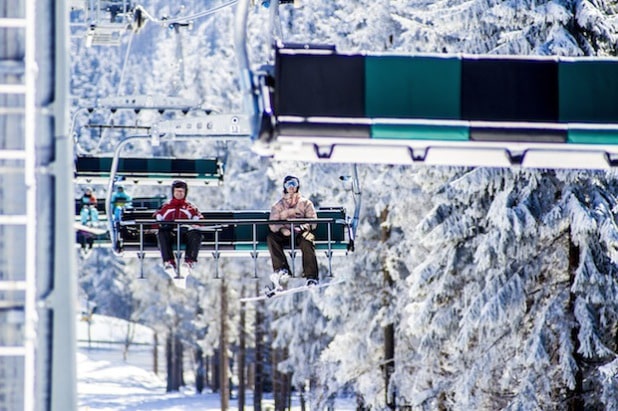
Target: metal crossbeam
{"points": [[12, 352], [12, 285], [215, 125], [12, 23]]}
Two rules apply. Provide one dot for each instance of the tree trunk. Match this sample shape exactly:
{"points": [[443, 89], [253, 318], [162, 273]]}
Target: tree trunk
{"points": [[389, 365], [389, 329], [215, 373], [128, 338], [173, 355], [155, 354], [575, 401], [207, 372], [199, 372], [223, 350], [259, 358], [179, 352], [281, 383], [241, 357], [303, 401]]}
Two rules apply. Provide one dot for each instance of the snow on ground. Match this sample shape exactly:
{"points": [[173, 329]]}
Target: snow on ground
{"points": [[112, 386], [106, 382]]}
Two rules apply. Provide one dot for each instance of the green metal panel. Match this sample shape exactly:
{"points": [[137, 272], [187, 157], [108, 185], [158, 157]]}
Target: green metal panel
{"points": [[319, 247], [249, 247], [413, 87], [154, 166], [206, 168], [333, 246], [580, 136], [244, 232], [337, 230], [420, 132], [588, 91]]}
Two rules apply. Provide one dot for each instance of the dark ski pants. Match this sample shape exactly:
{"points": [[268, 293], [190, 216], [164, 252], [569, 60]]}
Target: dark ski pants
{"points": [[85, 238], [167, 243], [276, 242]]}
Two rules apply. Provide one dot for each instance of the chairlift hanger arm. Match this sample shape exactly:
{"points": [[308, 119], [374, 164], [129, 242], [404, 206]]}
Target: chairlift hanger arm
{"points": [[248, 85], [135, 103]]}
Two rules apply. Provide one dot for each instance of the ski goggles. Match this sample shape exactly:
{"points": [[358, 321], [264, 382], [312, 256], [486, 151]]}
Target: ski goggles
{"points": [[293, 183]]}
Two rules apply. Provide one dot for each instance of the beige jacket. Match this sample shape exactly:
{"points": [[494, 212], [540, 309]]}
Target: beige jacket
{"points": [[291, 205]]}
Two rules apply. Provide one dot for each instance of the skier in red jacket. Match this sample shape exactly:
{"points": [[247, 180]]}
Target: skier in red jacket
{"points": [[178, 208]]}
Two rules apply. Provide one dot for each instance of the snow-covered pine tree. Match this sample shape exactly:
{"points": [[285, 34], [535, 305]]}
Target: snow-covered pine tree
{"points": [[506, 310]]}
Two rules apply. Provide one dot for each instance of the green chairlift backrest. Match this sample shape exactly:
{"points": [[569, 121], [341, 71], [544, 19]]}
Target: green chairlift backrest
{"points": [[435, 97], [150, 168], [589, 95], [154, 202], [244, 232]]}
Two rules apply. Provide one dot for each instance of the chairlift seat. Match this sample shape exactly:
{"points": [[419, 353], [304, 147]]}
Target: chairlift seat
{"points": [[232, 232]]}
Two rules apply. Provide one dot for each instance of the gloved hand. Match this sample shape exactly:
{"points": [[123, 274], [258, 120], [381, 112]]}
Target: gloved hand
{"points": [[308, 235], [302, 228]]}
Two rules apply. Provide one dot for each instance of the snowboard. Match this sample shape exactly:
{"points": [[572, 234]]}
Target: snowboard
{"points": [[270, 293]]}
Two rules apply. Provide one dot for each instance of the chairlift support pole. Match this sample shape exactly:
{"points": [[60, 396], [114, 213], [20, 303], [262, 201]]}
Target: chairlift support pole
{"points": [[292, 250], [178, 252], [248, 88], [140, 254], [254, 252], [110, 186], [356, 194], [329, 252]]}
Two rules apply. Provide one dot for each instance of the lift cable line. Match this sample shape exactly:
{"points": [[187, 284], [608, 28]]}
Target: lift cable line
{"points": [[184, 19], [107, 20]]}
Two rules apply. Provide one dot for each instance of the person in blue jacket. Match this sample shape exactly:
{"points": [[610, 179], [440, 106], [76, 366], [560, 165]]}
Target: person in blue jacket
{"points": [[120, 199]]}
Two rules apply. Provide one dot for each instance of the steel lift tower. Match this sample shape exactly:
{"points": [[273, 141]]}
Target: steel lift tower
{"points": [[37, 267]]}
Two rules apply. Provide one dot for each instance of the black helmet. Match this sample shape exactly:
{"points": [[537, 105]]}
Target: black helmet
{"points": [[290, 180], [180, 184]]}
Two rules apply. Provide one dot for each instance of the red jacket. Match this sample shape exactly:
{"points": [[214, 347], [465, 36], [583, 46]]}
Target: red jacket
{"points": [[178, 210]]}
